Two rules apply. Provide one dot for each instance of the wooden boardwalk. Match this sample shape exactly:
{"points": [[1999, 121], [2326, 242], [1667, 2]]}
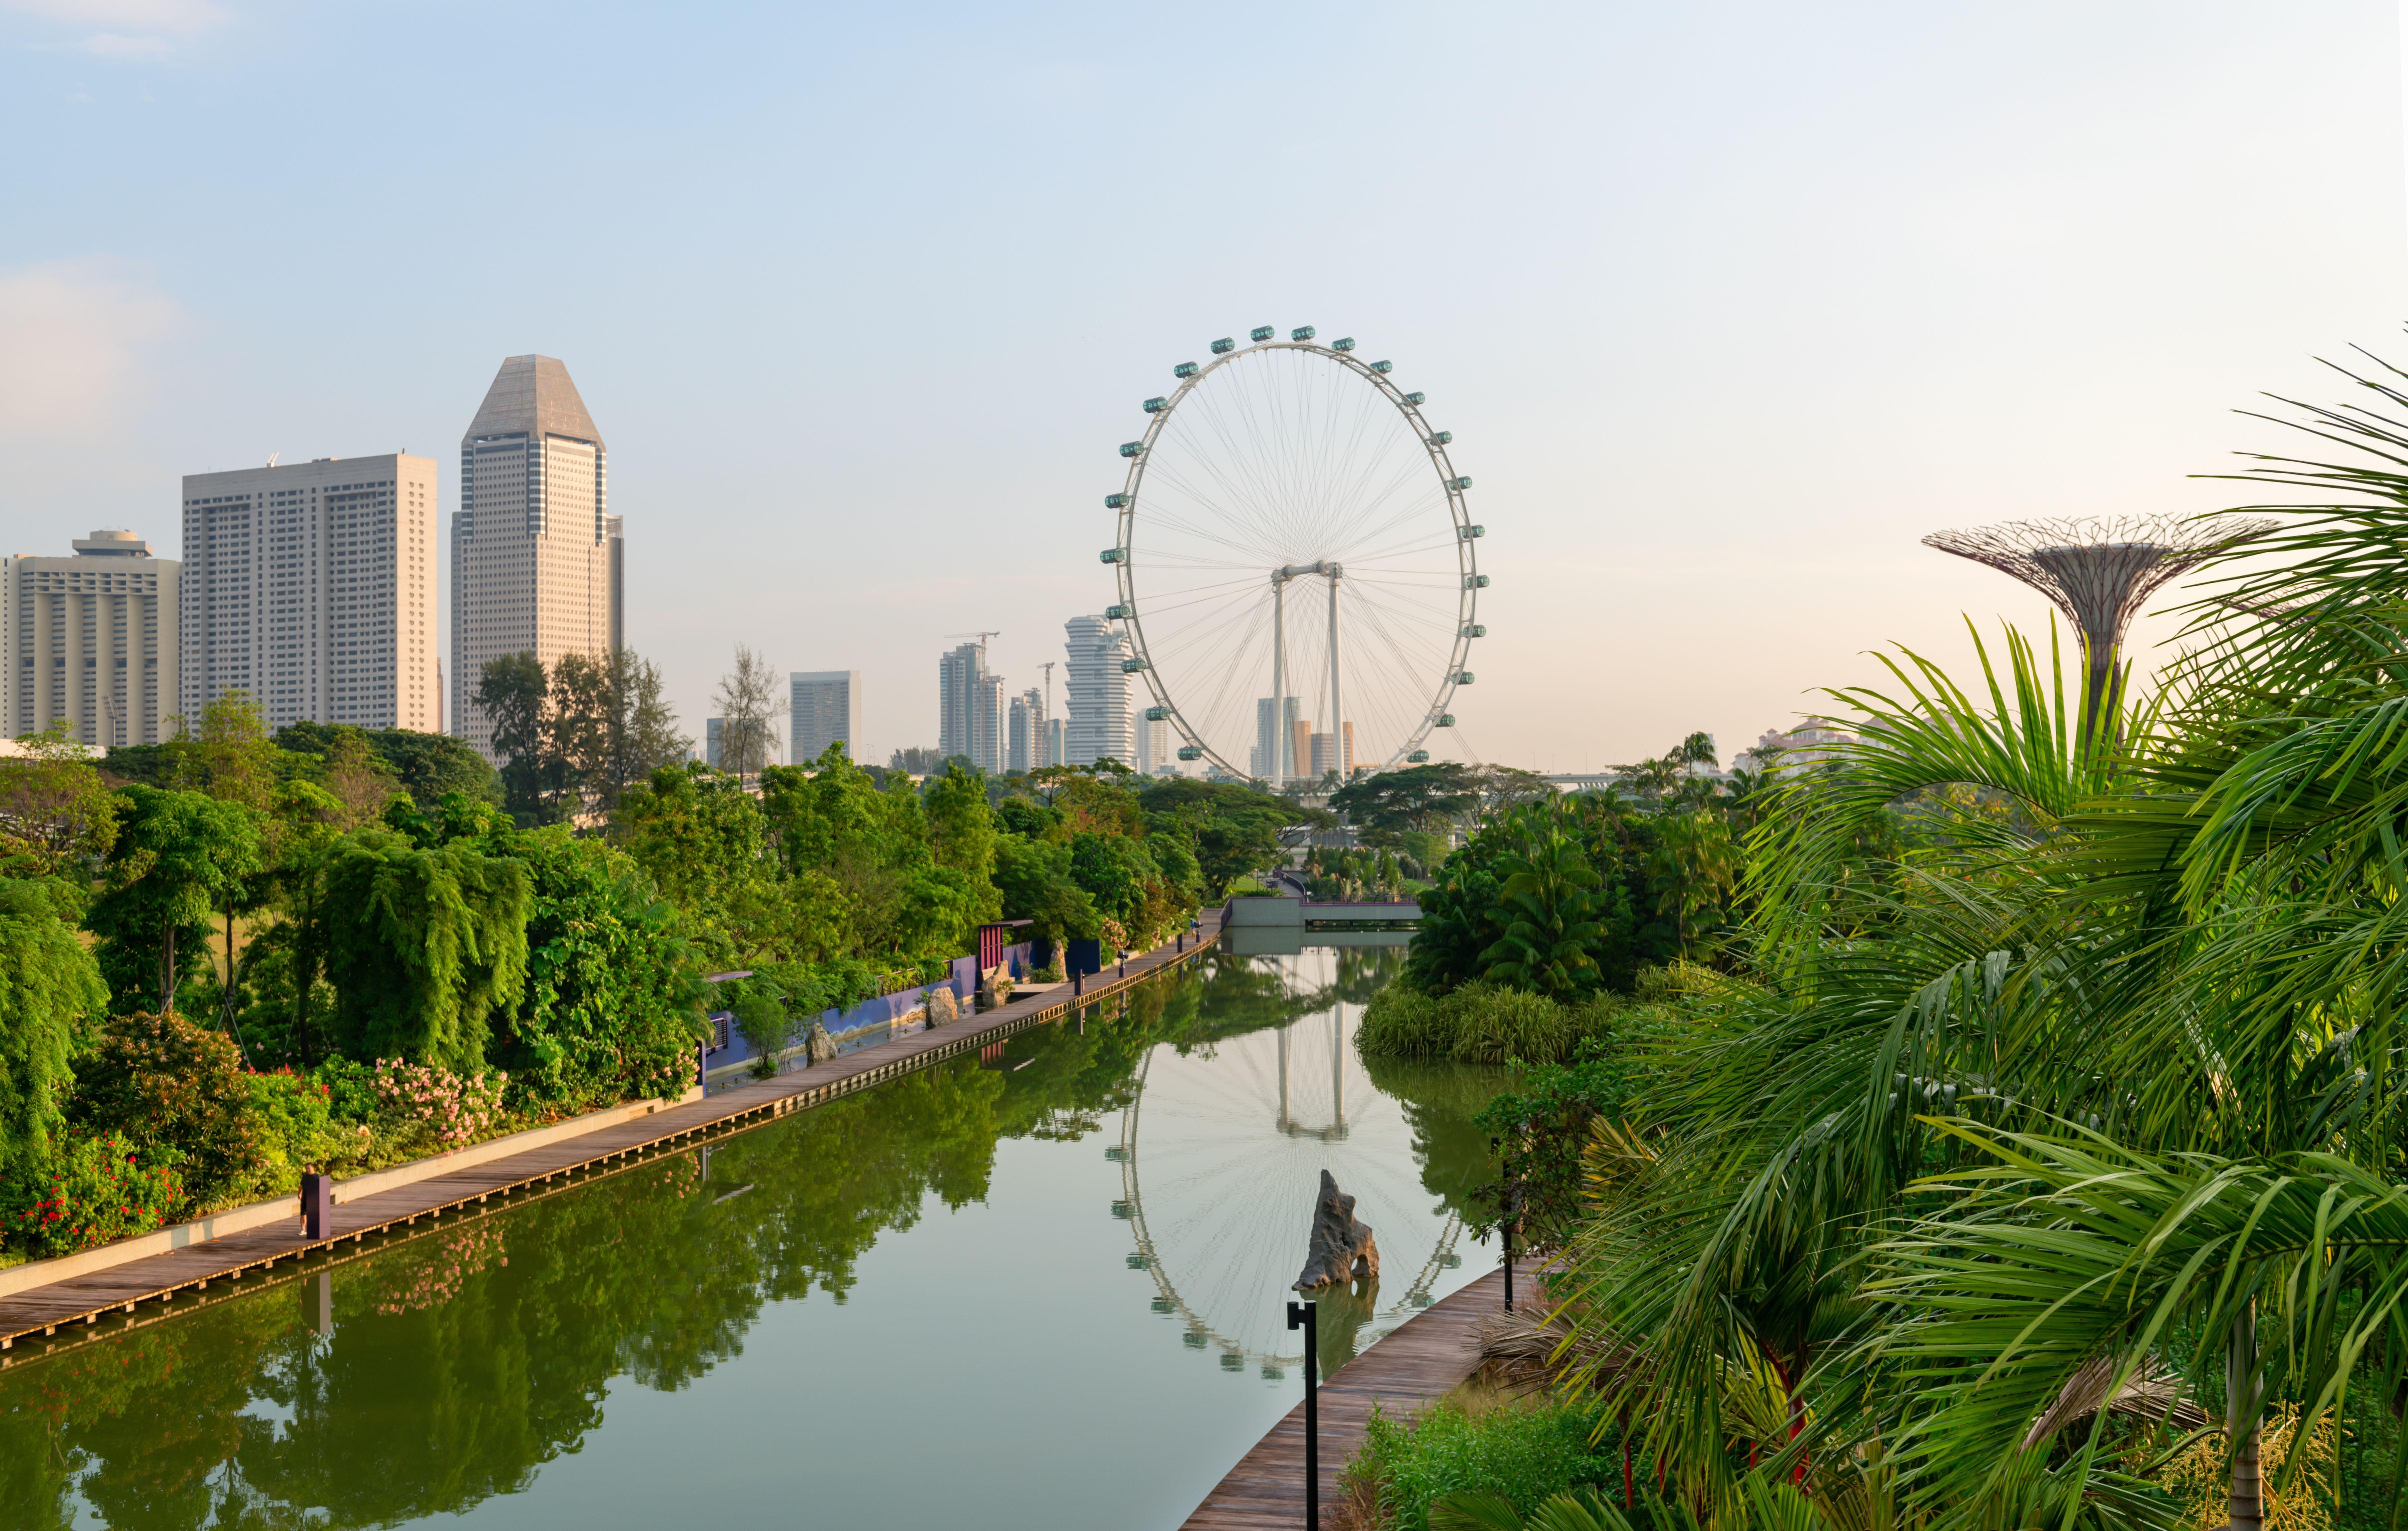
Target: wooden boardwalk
{"points": [[79, 1304], [1419, 1362]]}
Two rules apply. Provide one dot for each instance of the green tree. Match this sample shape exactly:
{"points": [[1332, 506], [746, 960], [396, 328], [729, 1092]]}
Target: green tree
{"points": [[705, 842], [427, 765], [57, 816], [178, 859], [1384, 805], [612, 1004], [1554, 912], [1033, 879], [511, 692], [49, 984], [749, 700], [610, 725], [227, 753], [423, 945], [1231, 828], [961, 826]]}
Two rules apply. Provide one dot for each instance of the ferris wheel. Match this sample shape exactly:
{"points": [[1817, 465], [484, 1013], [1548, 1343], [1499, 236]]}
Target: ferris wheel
{"points": [[1273, 467], [1218, 1157]]}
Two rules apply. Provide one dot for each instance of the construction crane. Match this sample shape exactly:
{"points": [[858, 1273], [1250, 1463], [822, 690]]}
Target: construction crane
{"points": [[982, 637]]}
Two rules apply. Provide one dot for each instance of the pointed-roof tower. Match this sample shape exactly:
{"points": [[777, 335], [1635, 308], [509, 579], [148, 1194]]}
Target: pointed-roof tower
{"points": [[535, 551], [534, 395]]}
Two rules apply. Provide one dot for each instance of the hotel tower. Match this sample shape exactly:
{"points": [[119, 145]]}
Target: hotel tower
{"points": [[535, 551], [311, 587]]}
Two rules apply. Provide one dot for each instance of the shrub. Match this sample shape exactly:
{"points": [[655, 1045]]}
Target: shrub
{"points": [[762, 1021], [1527, 1452], [97, 1188], [297, 1130], [1480, 1023], [168, 1084], [433, 1109]]}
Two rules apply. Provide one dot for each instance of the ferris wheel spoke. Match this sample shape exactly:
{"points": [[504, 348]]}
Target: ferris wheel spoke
{"points": [[1409, 709], [1256, 552]]}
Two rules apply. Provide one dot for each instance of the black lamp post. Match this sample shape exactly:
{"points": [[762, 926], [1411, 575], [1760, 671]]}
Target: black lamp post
{"points": [[1305, 1316], [1506, 1200]]}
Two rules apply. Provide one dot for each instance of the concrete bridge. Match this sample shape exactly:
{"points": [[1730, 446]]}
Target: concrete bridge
{"points": [[1280, 927]]}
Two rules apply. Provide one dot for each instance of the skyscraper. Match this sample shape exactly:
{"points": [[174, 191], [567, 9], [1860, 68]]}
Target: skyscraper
{"points": [[1097, 694], [92, 639], [1333, 753], [1056, 751], [1268, 735], [1153, 746], [311, 585], [1027, 750], [536, 558], [970, 709], [823, 708]]}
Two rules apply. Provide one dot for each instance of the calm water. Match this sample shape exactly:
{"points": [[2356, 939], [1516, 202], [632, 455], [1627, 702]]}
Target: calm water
{"points": [[1039, 1288]]}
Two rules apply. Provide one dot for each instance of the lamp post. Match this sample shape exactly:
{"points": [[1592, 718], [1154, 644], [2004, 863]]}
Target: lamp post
{"points": [[1505, 1200], [1305, 1316]]}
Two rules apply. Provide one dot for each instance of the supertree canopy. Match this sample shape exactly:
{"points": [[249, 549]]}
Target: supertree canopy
{"points": [[2100, 573]]}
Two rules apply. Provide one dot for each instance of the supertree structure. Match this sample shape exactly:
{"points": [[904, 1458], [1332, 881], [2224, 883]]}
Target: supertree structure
{"points": [[2100, 573]]}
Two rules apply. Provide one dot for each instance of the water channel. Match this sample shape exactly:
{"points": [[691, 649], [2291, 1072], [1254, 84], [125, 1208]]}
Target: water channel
{"points": [[1040, 1288]]}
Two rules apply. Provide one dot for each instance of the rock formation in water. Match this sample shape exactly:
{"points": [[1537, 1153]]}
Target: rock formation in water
{"points": [[1341, 1249], [942, 1009], [818, 1046]]}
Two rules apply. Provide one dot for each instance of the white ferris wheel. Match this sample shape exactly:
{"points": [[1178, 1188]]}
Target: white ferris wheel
{"points": [[1273, 467]]}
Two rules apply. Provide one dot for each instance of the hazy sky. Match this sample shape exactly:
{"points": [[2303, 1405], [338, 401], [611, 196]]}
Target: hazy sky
{"points": [[1725, 304]]}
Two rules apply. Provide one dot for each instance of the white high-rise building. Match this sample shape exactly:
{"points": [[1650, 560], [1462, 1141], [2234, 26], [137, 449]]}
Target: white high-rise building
{"points": [[824, 708], [1025, 748], [1153, 746], [1097, 694], [1056, 750], [1270, 736], [92, 639], [971, 718], [311, 585], [536, 556]]}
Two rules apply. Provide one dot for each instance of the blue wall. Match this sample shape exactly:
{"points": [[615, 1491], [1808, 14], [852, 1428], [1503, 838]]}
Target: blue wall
{"points": [[879, 1012]]}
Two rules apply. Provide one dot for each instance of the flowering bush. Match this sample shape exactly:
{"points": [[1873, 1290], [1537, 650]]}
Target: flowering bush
{"points": [[95, 1188], [442, 1109], [294, 1115], [171, 1085]]}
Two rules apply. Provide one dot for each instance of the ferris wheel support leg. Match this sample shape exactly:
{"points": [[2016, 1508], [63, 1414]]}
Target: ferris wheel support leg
{"points": [[1337, 703], [1282, 736], [1338, 1066]]}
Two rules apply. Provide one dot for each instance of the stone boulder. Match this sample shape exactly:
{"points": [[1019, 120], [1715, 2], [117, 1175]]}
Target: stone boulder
{"points": [[818, 1046], [1341, 1249], [943, 1009]]}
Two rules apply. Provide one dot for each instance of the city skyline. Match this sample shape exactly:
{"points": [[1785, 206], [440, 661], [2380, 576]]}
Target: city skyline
{"points": [[2060, 249]]}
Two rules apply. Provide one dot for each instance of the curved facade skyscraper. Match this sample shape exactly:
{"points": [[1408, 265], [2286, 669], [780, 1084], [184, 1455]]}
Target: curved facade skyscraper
{"points": [[533, 547], [1100, 722]]}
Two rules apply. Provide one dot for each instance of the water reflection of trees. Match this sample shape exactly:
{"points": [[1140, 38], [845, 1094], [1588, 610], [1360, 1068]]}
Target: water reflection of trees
{"points": [[461, 1360]]}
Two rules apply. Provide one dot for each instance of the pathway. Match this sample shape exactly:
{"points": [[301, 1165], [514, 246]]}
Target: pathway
{"points": [[1421, 1361], [79, 1303]]}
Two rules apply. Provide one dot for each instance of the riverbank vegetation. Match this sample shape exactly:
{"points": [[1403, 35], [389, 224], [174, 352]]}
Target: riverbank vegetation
{"points": [[239, 955], [555, 1318], [2033, 1154]]}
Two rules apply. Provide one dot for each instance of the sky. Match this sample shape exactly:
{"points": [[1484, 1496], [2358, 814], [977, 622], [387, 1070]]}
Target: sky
{"points": [[1725, 304]]}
